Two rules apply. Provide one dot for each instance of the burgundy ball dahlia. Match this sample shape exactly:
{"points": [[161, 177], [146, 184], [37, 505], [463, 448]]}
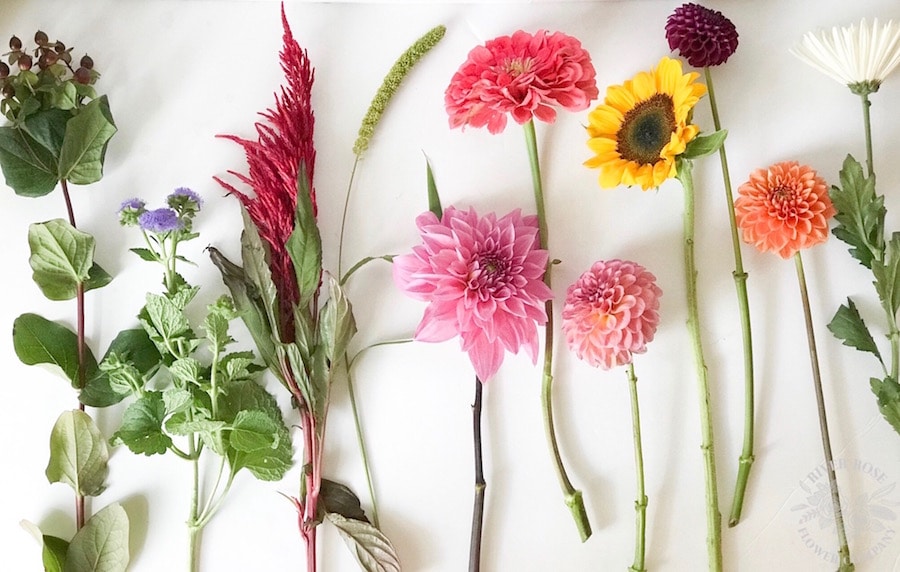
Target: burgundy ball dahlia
{"points": [[702, 36]]}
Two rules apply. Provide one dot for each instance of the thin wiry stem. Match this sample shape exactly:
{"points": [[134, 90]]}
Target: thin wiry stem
{"points": [[480, 485]]}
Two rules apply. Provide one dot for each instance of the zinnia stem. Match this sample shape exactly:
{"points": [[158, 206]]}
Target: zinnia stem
{"points": [[745, 462], [867, 121], [846, 565], [713, 516], [640, 504], [480, 485], [573, 497]]}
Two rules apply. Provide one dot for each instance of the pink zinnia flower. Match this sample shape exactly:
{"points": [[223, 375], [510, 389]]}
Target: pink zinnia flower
{"points": [[482, 278], [283, 148], [524, 75], [611, 312], [784, 208]]}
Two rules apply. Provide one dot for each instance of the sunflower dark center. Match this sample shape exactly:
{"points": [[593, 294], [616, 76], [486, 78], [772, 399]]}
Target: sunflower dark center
{"points": [[646, 129]]}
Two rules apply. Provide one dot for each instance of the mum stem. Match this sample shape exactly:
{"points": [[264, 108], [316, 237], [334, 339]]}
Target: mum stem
{"points": [[573, 497], [640, 504], [713, 516], [868, 125], [480, 485], [846, 565], [745, 462]]}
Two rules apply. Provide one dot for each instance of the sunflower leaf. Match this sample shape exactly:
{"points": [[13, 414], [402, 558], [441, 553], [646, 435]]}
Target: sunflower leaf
{"points": [[860, 213], [849, 327], [704, 145]]}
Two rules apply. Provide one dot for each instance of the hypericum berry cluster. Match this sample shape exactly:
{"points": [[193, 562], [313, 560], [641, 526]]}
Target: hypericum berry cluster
{"points": [[43, 76]]}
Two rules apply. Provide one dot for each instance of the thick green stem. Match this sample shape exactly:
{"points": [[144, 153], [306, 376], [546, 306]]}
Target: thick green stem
{"points": [[480, 485], [194, 533], [572, 496], [745, 462], [868, 125], [194, 527], [846, 565], [713, 516], [640, 504]]}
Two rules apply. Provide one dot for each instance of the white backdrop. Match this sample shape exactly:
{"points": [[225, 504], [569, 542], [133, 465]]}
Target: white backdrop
{"points": [[177, 73]]}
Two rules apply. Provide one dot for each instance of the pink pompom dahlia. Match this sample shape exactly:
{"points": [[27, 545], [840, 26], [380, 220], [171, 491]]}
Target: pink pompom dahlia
{"points": [[702, 36], [482, 278], [611, 312], [523, 75], [784, 208]]}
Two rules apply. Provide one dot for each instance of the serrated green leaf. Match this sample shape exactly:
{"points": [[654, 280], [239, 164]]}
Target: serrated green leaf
{"points": [[84, 147], [29, 169], [179, 424], [53, 553], [78, 454], [246, 395], [145, 254], [142, 423], [187, 371], [253, 430], [61, 258], [305, 243], [269, 464], [848, 326], [133, 345], [371, 548], [177, 400], [216, 328], [887, 275], [704, 145], [337, 498], [167, 326], [48, 128], [37, 340], [102, 544], [887, 391], [860, 213]]}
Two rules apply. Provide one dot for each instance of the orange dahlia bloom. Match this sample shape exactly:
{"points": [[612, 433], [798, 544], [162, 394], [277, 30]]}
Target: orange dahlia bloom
{"points": [[784, 208]]}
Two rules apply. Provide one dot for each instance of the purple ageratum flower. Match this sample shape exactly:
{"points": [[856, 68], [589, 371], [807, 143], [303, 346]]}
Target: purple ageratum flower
{"points": [[702, 36], [160, 220], [130, 210], [182, 195]]}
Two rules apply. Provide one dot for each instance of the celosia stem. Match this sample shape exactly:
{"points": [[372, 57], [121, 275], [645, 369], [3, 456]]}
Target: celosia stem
{"points": [[868, 125], [846, 565], [480, 485], [640, 504], [745, 462], [713, 516], [573, 497]]}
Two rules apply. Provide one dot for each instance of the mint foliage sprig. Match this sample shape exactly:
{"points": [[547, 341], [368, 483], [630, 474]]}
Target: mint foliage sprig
{"points": [[184, 403], [860, 217]]}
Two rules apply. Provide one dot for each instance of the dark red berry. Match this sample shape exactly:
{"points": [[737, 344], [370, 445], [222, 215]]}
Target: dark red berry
{"points": [[59, 47], [47, 59], [15, 43], [83, 76], [4, 70], [24, 62], [8, 91], [41, 38], [87, 62]]}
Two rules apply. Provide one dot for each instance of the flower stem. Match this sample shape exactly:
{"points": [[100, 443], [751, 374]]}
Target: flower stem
{"points": [[868, 125], [573, 497], [713, 516], [846, 565], [361, 442], [745, 462], [640, 504], [480, 485], [344, 215], [194, 533]]}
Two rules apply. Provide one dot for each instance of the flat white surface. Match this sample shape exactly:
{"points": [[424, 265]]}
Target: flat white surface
{"points": [[177, 73]]}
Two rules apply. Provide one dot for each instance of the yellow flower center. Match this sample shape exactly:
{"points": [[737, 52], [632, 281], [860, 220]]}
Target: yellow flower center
{"points": [[646, 129], [518, 66]]}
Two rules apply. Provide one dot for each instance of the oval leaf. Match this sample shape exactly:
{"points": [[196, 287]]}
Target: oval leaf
{"points": [[37, 340], [53, 553], [370, 546], [29, 169], [102, 544], [704, 145], [61, 258], [78, 454], [84, 147]]}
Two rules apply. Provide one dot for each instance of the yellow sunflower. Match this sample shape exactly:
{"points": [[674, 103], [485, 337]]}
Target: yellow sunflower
{"points": [[643, 125]]}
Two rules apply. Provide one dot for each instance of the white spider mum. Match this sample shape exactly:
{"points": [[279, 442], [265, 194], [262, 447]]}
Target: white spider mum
{"points": [[860, 57]]}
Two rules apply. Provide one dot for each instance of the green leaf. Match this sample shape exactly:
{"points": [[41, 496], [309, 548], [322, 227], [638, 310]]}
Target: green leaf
{"points": [[371, 548], [888, 393], [186, 371], [337, 498], [145, 254], [61, 258], [849, 327], [78, 454], [53, 553], [887, 276], [177, 400], [179, 424], [133, 345], [64, 97], [37, 340], [860, 213], [246, 395], [252, 431], [336, 323], [305, 243], [48, 128], [29, 169], [84, 147], [142, 422], [434, 200], [102, 544], [704, 145], [167, 326], [97, 278]]}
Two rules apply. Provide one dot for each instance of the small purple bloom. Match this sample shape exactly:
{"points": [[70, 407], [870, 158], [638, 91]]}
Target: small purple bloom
{"points": [[132, 204], [160, 220], [181, 194]]}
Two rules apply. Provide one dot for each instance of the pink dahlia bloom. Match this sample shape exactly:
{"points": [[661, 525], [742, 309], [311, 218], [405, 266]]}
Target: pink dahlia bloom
{"points": [[524, 75], [611, 312], [482, 279]]}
